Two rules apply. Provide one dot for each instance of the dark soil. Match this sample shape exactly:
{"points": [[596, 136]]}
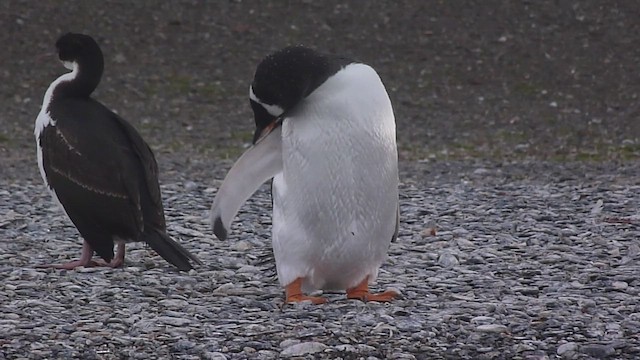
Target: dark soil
{"points": [[496, 80]]}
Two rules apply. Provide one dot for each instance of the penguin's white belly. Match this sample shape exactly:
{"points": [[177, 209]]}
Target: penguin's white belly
{"points": [[335, 202]]}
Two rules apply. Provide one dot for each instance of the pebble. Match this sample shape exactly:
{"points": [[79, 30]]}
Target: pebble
{"points": [[288, 343], [208, 355], [173, 303], [241, 245], [448, 260], [482, 320], [304, 348], [173, 321], [566, 348], [491, 328], [619, 285], [598, 351]]}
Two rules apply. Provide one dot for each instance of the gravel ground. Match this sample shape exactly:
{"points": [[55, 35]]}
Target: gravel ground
{"points": [[519, 137], [528, 261]]}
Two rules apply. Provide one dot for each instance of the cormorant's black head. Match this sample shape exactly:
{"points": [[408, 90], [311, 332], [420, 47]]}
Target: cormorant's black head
{"points": [[283, 79], [81, 53], [78, 48]]}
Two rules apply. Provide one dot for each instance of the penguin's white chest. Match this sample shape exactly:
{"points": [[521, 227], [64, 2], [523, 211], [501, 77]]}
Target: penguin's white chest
{"points": [[335, 202]]}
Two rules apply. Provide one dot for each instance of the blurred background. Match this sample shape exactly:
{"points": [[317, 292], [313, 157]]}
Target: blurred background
{"points": [[499, 81]]}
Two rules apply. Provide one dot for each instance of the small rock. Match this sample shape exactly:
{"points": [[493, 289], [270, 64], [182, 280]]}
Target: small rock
{"points": [[364, 348], [403, 356], [428, 231], [448, 260], [482, 320], [224, 288], [491, 328], [241, 245], [288, 342], [464, 243], [535, 355], [183, 345], [597, 208], [526, 290], [213, 356], [619, 285], [410, 326], [174, 321], [174, 303], [190, 185], [566, 348], [345, 348], [304, 348], [185, 231], [598, 351], [247, 269]]}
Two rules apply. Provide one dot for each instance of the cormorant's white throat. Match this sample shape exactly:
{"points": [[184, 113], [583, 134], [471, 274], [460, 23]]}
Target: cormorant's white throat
{"points": [[44, 119]]}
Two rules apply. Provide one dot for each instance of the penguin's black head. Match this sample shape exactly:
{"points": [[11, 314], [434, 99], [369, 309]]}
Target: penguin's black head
{"points": [[285, 78], [81, 54], [80, 49]]}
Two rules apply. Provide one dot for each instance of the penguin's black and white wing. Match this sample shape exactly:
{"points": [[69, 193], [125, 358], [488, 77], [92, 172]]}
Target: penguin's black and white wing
{"points": [[258, 164]]}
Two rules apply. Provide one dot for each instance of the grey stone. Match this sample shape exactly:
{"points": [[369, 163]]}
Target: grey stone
{"points": [[304, 348], [598, 351], [566, 348], [448, 260], [491, 328]]}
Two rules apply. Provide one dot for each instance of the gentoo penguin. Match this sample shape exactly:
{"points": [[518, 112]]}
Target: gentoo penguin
{"points": [[97, 167], [325, 133]]}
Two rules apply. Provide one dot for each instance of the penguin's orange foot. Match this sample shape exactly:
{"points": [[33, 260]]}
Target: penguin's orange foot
{"points": [[294, 294], [316, 300], [386, 296], [361, 292]]}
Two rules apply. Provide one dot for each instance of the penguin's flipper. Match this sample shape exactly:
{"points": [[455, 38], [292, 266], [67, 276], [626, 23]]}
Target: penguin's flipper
{"points": [[258, 164]]}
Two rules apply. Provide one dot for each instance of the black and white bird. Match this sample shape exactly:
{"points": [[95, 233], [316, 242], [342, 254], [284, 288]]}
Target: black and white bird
{"points": [[97, 167], [325, 133]]}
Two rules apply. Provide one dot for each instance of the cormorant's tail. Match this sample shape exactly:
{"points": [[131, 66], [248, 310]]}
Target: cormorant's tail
{"points": [[171, 250]]}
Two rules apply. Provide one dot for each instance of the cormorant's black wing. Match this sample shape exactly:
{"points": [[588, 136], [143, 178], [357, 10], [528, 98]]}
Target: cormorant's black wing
{"points": [[151, 197], [94, 170]]}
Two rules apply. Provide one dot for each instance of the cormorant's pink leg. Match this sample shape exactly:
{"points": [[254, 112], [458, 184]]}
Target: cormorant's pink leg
{"points": [[85, 260]]}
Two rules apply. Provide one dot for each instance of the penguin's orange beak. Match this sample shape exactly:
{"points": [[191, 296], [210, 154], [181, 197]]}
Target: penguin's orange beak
{"points": [[268, 129]]}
